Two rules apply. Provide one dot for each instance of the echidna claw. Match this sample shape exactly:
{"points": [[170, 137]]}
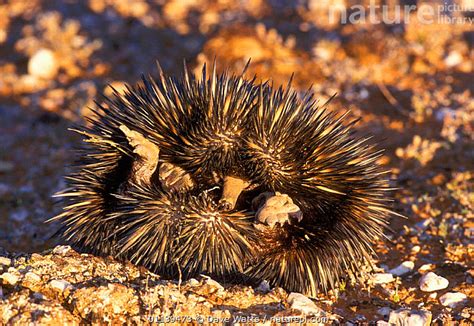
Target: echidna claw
{"points": [[273, 208], [224, 205], [147, 152]]}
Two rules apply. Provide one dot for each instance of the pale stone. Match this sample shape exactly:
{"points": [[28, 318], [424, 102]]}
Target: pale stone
{"points": [[404, 317], [452, 299], [10, 278], [43, 64], [33, 277], [403, 268], [304, 304], [60, 285], [431, 282], [382, 278], [5, 261]]}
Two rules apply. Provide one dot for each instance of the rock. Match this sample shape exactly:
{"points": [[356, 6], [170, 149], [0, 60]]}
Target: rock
{"points": [[382, 323], [43, 64], [403, 268], [384, 311], [10, 278], [193, 282], [416, 249], [60, 285], [453, 59], [425, 268], [61, 250], [382, 278], [33, 277], [264, 287], [302, 303], [5, 261], [406, 317], [431, 282], [214, 284], [453, 299]]}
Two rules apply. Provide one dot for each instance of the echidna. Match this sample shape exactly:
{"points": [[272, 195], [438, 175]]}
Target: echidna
{"points": [[298, 149], [172, 166]]}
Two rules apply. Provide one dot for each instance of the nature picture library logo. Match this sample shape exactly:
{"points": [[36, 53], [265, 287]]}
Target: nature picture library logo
{"points": [[447, 12]]}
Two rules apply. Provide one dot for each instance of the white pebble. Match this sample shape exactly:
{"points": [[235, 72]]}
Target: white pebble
{"points": [[61, 250], [193, 282], [10, 278], [431, 282], [382, 278], [453, 59], [302, 303], [33, 277], [43, 64], [382, 323], [433, 295], [5, 261], [416, 249], [425, 268], [60, 285], [403, 268], [410, 317], [452, 299], [213, 283]]}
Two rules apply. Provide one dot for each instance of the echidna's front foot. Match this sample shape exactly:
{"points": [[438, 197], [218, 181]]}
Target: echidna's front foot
{"points": [[275, 208], [173, 177], [147, 152], [232, 189]]}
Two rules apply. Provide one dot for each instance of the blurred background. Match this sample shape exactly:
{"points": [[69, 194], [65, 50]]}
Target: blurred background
{"points": [[409, 82]]}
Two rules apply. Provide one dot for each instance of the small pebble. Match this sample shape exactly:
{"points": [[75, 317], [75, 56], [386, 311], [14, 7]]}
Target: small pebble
{"points": [[382, 323], [193, 282], [452, 299], [33, 277], [416, 249], [60, 285], [425, 268], [213, 283], [10, 278], [431, 282], [382, 278], [61, 250], [403, 268], [43, 64], [5, 261], [302, 303], [384, 311], [410, 317], [264, 287], [453, 59]]}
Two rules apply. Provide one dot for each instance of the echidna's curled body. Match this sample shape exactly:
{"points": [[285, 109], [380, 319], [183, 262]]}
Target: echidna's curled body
{"points": [[299, 149], [173, 165]]}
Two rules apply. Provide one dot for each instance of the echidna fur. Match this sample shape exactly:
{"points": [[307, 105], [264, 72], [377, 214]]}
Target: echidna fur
{"points": [[212, 128]]}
